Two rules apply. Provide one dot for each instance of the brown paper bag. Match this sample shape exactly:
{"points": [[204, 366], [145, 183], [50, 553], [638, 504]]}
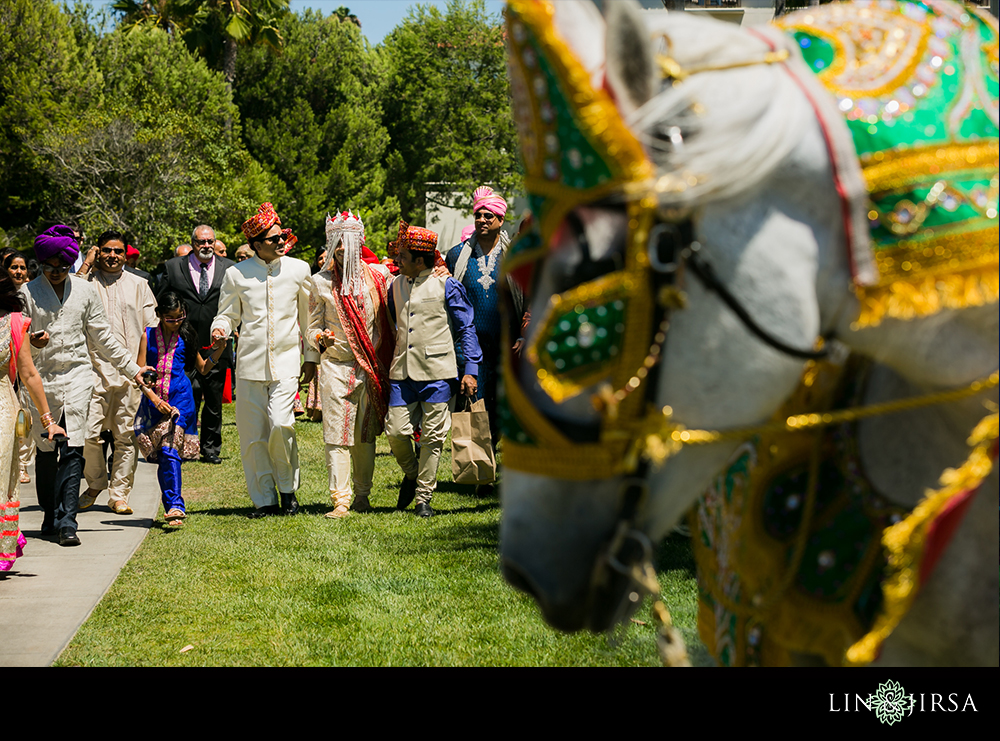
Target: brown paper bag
{"points": [[472, 459]]}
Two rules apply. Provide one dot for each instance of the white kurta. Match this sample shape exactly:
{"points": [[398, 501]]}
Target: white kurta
{"points": [[78, 328], [130, 308], [271, 302]]}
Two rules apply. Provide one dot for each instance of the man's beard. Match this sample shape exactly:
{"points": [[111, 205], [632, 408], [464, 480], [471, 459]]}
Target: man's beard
{"points": [[207, 253]]}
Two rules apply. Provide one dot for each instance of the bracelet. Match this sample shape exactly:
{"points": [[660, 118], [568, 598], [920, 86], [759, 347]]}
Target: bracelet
{"points": [[47, 420]]}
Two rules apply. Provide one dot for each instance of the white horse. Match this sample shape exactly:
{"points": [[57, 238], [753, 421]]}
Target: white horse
{"points": [[740, 148]]}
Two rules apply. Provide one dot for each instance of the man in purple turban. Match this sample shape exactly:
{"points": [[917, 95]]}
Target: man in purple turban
{"points": [[68, 321], [57, 241]]}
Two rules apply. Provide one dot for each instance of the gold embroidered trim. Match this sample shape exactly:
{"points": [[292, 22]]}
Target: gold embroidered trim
{"points": [[576, 462], [905, 542], [926, 295], [938, 252], [900, 169]]}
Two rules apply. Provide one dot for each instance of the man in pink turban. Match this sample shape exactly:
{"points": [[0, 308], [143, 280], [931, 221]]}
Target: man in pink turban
{"points": [[475, 263]]}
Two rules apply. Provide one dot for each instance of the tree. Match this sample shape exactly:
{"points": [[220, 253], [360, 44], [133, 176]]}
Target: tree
{"points": [[213, 28], [446, 105], [156, 158], [46, 80], [312, 117]]}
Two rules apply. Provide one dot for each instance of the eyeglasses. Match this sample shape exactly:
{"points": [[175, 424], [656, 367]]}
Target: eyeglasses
{"points": [[110, 251], [204, 241], [173, 320], [46, 268], [485, 216]]}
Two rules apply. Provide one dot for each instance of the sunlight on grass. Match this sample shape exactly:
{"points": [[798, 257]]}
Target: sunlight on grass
{"points": [[381, 589]]}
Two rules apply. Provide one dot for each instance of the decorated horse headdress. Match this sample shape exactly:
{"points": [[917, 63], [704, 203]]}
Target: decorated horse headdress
{"points": [[922, 187]]}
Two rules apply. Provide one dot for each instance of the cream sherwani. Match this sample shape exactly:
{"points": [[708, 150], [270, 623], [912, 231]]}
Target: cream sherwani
{"points": [[130, 308], [271, 302], [349, 426], [78, 330]]}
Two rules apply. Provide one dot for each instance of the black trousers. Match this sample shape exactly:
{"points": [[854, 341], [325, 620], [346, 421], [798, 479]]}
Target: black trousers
{"points": [[57, 481], [209, 389]]}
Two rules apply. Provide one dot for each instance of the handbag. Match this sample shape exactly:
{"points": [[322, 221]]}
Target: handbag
{"points": [[472, 457], [23, 425]]}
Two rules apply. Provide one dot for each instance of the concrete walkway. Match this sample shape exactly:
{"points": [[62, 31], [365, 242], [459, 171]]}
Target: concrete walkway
{"points": [[51, 590]]}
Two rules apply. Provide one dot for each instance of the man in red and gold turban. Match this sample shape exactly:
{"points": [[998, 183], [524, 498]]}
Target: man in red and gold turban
{"points": [[269, 296], [424, 373]]}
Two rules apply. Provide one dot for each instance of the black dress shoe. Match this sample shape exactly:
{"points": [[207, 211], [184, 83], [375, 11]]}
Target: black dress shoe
{"points": [[211, 458], [271, 509], [423, 510], [407, 491], [485, 490], [68, 536], [289, 504], [49, 531]]}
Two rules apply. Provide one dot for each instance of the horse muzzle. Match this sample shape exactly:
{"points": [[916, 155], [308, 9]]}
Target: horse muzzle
{"points": [[554, 541]]}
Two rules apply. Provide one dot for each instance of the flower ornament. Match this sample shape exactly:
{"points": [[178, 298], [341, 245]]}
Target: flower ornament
{"points": [[890, 702]]}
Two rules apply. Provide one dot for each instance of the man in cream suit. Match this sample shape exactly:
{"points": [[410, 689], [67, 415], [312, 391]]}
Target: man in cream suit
{"points": [[269, 295], [424, 372]]}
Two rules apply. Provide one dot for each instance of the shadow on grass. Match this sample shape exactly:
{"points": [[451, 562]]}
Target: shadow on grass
{"points": [[674, 554]]}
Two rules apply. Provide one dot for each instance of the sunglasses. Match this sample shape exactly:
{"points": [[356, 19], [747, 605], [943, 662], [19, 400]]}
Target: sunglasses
{"points": [[46, 268], [173, 320], [204, 241], [111, 251]]}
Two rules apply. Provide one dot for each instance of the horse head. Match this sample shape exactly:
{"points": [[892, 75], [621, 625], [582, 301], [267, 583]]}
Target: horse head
{"points": [[687, 251]]}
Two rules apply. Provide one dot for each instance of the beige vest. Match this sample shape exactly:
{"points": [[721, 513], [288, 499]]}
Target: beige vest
{"points": [[425, 350]]}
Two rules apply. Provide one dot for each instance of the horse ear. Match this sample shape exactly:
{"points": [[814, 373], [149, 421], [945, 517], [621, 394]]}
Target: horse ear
{"points": [[631, 61]]}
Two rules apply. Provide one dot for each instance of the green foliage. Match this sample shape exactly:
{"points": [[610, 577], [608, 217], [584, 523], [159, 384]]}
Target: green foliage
{"points": [[140, 128], [156, 158], [46, 80], [212, 28], [447, 105], [312, 117]]}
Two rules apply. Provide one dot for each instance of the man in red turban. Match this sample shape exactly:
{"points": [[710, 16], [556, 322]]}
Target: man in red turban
{"points": [[424, 373], [268, 295]]}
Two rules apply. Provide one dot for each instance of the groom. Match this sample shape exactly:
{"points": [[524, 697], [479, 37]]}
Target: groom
{"points": [[269, 295]]}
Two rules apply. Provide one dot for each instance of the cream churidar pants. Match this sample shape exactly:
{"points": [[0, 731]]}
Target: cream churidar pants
{"points": [[112, 409], [340, 457], [266, 424]]}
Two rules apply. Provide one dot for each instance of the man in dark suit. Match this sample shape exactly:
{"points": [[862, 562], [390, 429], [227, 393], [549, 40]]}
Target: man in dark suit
{"points": [[197, 278]]}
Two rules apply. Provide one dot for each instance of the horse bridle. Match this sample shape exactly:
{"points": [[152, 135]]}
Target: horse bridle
{"points": [[672, 250]]}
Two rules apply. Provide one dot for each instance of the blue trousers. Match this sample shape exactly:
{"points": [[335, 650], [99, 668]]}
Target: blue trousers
{"points": [[168, 473]]}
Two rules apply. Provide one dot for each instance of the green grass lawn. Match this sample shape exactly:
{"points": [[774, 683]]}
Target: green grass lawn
{"points": [[380, 589]]}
